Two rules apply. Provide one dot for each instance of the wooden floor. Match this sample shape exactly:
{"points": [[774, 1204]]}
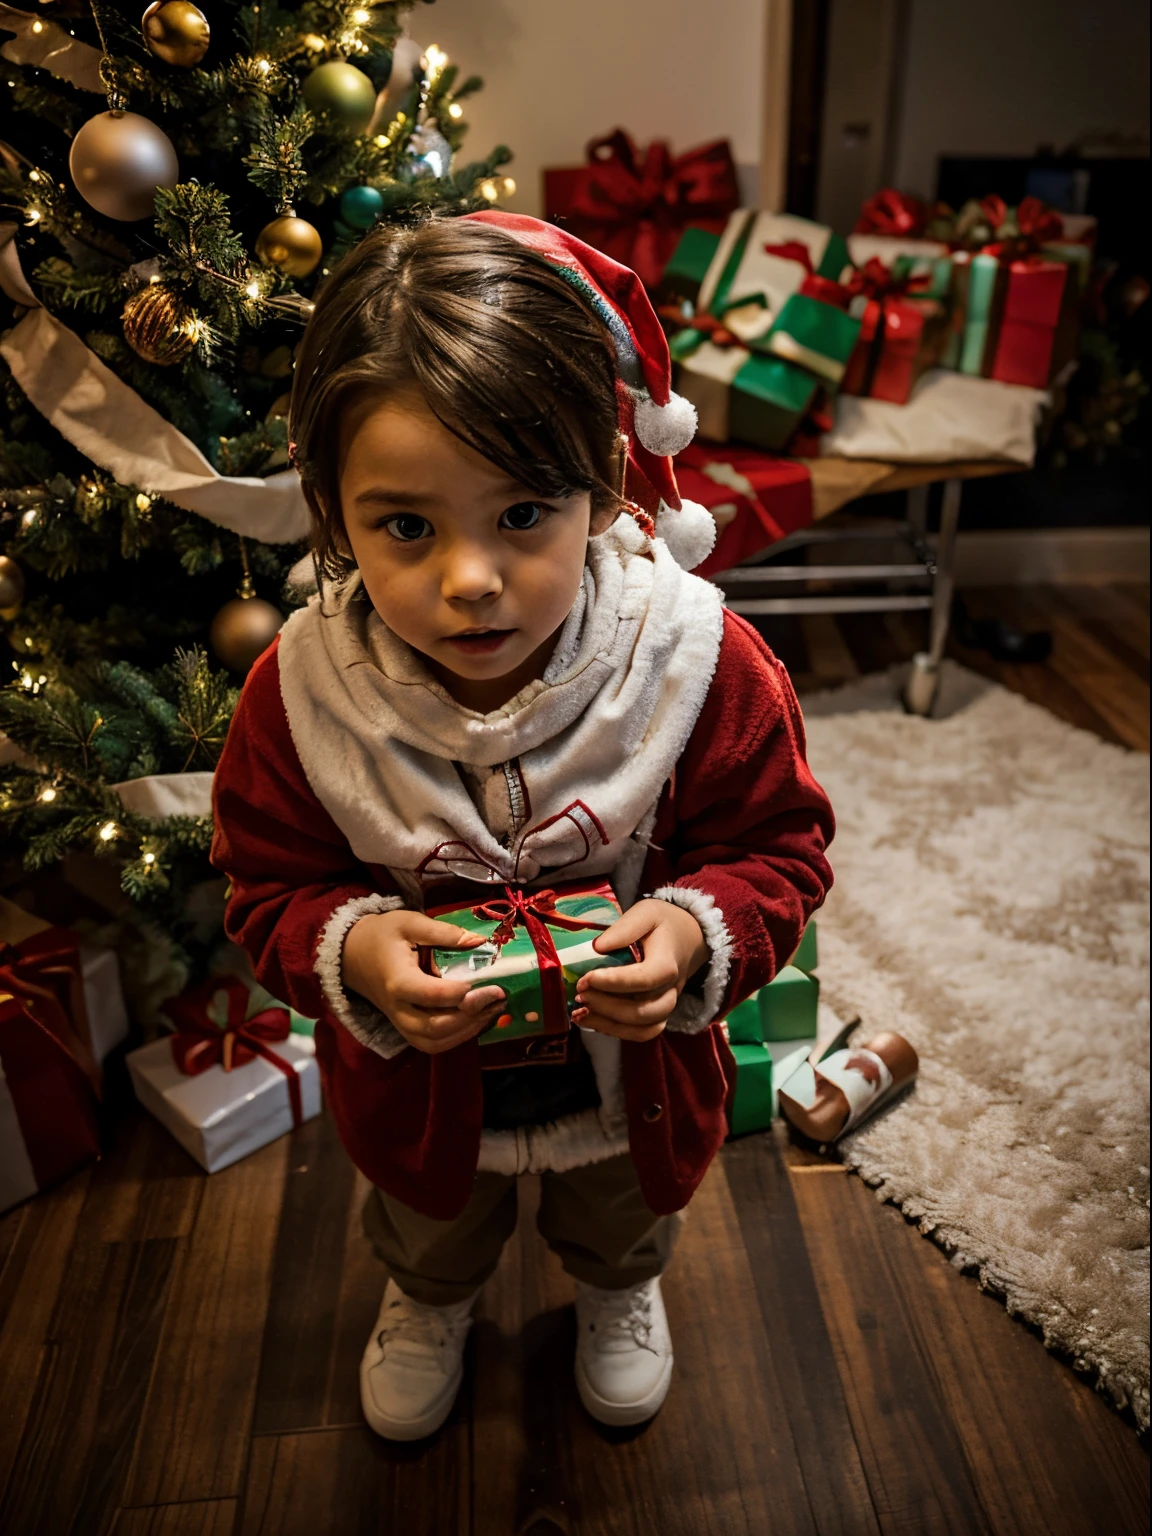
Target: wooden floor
{"points": [[178, 1354]]}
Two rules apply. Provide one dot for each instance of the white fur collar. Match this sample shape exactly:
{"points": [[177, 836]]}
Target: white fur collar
{"points": [[596, 738]]}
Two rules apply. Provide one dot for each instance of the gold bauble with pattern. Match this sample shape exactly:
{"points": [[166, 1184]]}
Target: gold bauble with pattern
{"points": [[243, 630], [176, 32], [159, 326], [291, 244]]}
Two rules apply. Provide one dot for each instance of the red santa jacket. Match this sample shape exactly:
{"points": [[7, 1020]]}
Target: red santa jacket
{"points": [[741, 819]]}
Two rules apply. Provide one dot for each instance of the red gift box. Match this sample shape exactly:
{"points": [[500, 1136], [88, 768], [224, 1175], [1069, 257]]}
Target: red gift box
{"points": [[634, 207], [756, 498], [1033, 299], [48, 1079]]}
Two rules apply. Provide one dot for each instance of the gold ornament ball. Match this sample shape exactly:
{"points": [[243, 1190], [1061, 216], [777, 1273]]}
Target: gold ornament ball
{"points": [[291, 244], [159, 326], [243, 630], [11, 587], [176, 32], [343, 90], [118, 161]]}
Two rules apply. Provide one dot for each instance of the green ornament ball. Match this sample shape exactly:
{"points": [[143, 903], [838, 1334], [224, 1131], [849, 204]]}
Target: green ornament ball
{"points": [[361, 207], [343, 90]]}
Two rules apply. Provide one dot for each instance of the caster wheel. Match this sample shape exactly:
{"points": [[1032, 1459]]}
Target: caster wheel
{"points": [[920, 689]]}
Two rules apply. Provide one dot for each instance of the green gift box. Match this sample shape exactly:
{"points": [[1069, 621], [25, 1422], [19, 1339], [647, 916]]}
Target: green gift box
{"points": [[752, 1103], [538, 945], [788, 1008], [687, 267], [743, 1022], [806, 957]]}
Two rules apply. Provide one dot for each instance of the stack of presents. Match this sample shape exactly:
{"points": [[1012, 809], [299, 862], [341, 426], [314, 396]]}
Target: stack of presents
{"points": [[770, 317], [235, 1069]]}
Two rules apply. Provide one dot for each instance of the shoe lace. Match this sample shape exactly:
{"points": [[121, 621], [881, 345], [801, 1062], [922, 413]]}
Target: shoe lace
{"points": [[623, 1320], [418, 1332]]}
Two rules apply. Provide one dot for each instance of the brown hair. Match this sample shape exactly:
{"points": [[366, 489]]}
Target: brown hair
{"points": [[508, 357]]}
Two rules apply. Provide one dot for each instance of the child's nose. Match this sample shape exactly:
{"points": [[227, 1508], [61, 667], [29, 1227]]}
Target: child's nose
{"points": [[469, 575]]}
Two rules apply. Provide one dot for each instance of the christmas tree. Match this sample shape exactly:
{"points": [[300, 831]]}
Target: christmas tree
{"points": [[159, 249]]}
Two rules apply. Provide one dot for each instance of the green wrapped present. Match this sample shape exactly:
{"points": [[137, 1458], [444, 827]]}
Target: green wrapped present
{"points": [[769, 254], [687, 267], [806, 959], [752, 1103], [538, 945], [788, 1006]]}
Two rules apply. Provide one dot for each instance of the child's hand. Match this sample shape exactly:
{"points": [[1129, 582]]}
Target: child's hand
{"points": [[634, 1001], [382, 964]]}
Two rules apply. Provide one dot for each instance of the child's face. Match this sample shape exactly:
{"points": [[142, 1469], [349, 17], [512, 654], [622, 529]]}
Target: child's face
{"points": [[471, 569]]}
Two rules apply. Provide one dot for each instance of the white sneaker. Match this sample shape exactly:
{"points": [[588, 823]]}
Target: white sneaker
{"points": [[623, 1352], [411, 1370]]}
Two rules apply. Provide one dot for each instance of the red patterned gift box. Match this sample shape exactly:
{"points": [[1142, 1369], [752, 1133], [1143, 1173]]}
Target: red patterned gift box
{"points": [[634, 206]]}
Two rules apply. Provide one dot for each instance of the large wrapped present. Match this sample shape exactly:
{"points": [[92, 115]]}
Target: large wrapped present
{"points": [[766, 257], [635, 207], [98, 1015], [753, 379], [537, 946], [234, 1076], [49, 1081]]}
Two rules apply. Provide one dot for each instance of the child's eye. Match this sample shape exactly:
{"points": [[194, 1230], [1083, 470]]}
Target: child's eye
{"points": [[408, 527], [524, 515]]}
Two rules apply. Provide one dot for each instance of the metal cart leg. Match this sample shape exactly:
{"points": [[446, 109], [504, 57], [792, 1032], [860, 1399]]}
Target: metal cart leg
{"points": [[924, 679]]}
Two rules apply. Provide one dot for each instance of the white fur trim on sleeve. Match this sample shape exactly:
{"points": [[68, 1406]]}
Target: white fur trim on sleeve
{"points": [[365, 1023], [693, 1013]]}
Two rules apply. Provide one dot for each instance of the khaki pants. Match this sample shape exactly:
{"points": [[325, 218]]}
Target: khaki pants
{"points": [[593, 1217]]}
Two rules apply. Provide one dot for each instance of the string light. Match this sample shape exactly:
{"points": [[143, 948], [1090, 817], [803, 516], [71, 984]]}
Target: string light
{"points": [[37, 27], [456, 110], [29, 518], [33, 175], [264, 65], [149, 858], [108, 831], [313, 43], [487, 189], [143, 502], [34, 215], [253, 289], [381, 141], [48, 795], [360, 17], [436, 59], [509, 187]]}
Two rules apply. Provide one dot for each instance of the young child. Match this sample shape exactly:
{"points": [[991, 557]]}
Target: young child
{"points": [[506, 680]]}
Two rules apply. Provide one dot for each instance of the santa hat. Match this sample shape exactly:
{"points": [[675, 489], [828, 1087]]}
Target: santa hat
{"points": [[656, 422]]}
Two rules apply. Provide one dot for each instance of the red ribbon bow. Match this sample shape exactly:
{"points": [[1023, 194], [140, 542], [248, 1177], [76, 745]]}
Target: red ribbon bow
{"points": [[654, 195], [891, 212], [200, 1043], [536, 910], [826, 289]]}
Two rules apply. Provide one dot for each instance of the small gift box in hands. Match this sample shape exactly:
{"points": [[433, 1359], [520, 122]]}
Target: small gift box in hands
{"points": [[539, 943]]}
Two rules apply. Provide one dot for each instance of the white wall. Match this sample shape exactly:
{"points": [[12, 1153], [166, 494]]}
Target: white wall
{"points": [[558, 74], [1004, 76]]}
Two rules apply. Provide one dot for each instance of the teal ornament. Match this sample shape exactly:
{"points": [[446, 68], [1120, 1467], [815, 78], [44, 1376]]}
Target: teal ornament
{"points": [[429, 154], [361, 207]]}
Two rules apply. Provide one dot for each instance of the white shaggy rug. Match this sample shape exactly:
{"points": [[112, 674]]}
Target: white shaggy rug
{"points": [[991, 904]]}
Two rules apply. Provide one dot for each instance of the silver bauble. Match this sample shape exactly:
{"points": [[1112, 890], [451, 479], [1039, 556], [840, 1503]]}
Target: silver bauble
{"points": [[118, 161]]}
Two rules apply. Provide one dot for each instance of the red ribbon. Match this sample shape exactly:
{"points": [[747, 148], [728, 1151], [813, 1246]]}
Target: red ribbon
{"points": [[891, 212], [199, 1043], [43, 973], [653, 196], [536, 910], [826, 289]]}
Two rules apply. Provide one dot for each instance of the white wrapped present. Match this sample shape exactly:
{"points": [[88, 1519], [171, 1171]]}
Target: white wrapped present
{"points": [[218, 1116]]}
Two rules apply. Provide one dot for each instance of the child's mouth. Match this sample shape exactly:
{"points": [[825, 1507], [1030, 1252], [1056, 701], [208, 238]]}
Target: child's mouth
{"points": [[480, 642]]}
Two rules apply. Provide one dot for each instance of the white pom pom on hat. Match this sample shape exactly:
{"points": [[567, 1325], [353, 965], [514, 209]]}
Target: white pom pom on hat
{"points": [[664, 429], [689, 533]]}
